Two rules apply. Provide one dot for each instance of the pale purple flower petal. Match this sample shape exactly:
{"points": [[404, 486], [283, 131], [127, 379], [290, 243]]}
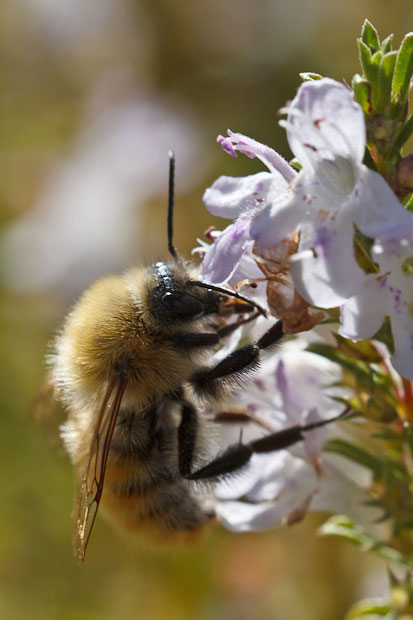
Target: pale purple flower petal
{"points": [[246, 517], [283, 474], [402, 330], [251, 148], [232, 197], [324, 119], [375, 207], [277, 220], [276, 501], [389, 293], [362, 315], [222, 257], [396, 256], [340, 494], [240, 483], [315, 439], [328, 274]]}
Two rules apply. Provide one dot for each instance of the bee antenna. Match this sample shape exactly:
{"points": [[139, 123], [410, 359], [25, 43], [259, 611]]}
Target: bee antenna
{"points": [[229, 293], [171, 247]]}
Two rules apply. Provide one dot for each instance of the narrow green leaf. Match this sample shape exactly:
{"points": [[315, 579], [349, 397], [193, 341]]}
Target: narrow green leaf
{"points": [[385, 335], [387, 44], [354, 453], [309, 76], [368, 607], [362, 246], [364, 375], [361, 89], [365, 57], [294, 163], [377, 57], [405, 133], [370, 69], [394, 581], [408, 434], [403, 71], [369, 36], [342, 527], [386, 69], [409, 204], [362, 350]]}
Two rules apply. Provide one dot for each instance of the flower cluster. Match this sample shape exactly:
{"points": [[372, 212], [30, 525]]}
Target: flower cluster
{"points": [[327, 236], [280, 487], [319, 211]]}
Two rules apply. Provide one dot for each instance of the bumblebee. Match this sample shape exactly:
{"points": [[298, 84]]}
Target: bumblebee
{"points": [[129, 367]]}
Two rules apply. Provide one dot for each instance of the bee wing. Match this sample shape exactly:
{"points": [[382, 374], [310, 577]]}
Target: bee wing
{"points": [[91, 485], [48, 411]]}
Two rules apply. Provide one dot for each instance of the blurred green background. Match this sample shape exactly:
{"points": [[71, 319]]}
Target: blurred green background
{"points": [[179, 73]]}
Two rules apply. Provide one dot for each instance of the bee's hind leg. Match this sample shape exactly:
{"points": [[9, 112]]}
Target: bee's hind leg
{"points": [[187, 437], [238, 455]]}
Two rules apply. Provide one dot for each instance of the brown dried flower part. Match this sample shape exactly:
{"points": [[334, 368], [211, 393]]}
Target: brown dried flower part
{"points": [[284, 301], [297, 515]]}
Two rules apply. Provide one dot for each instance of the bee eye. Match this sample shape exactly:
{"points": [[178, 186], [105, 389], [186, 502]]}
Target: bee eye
{"points": [[182, 304]]}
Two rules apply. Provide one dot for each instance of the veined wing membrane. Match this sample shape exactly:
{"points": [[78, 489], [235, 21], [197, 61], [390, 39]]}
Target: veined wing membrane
{"points": [[91, 486]]}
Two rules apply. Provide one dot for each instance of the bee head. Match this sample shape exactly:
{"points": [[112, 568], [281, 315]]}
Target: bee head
{"points": [[174, 298]]}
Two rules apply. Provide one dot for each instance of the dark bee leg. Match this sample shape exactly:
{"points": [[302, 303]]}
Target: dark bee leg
{"points": [[238, 455], [194, 340], [239, 416], [207, 380], [187, 435]]}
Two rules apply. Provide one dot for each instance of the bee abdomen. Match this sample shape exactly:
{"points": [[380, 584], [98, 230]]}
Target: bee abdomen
{"points": [[143, 488], [161, 507]]}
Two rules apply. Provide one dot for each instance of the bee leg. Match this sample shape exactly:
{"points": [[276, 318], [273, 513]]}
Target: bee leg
{"points": [[187, 435], [228, 329], [195, 340], [207, 380], [239, 416], [238, 455]]}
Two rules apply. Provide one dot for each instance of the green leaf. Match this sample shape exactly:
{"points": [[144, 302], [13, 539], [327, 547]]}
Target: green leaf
{"points": [[370, 69], [405, 133], [364, 375], [362, 350], [370, 36], [408, 434], [368, 607], [387, 44], [385, 335], [354, 453], [342, 527], [309, 76], [403, 71], [361, 89], [365, 57], [377, 57], [386, 69], [409, 204], [294, 163], [362, 246]]}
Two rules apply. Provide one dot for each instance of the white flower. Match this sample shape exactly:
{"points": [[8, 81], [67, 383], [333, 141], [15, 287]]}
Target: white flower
{"points": [[280, 487], [333, 192], [387, 293]]}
